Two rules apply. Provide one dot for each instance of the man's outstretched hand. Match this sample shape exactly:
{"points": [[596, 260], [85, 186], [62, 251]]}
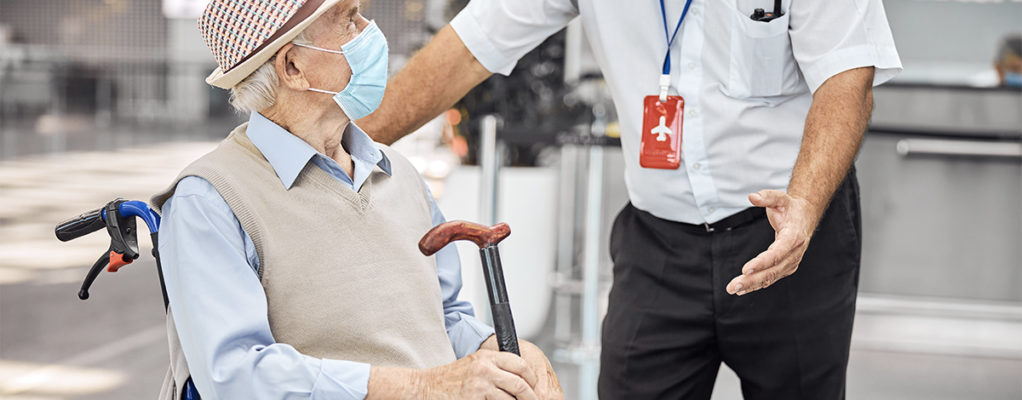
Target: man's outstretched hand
{"points": [[834, 127], [793, 220]]}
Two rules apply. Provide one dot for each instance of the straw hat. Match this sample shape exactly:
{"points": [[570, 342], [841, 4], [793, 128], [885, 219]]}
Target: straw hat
{"points": [[244, 34]]}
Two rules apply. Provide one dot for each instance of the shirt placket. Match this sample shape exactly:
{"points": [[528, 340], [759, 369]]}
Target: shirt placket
{"points": [[693, 146]]}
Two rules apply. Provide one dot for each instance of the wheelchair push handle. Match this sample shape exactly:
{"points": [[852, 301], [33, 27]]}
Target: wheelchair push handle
{"points": [[81, 225], [118, 217]]}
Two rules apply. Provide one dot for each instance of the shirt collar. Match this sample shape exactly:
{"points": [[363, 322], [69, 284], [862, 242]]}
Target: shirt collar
{"points": [[288, 154]]}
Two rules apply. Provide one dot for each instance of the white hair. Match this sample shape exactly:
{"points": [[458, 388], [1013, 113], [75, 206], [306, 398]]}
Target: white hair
{"points": [[259, 90]]}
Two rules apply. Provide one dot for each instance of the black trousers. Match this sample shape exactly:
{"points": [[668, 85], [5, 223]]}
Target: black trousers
{"points": [[670, 322]]}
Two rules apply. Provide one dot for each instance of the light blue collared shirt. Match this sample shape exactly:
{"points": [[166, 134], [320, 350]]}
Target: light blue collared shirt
{"points": [[210, 263]]}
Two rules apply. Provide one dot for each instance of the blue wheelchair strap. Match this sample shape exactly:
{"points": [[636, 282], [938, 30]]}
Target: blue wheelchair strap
{"points": [[189, 392]]}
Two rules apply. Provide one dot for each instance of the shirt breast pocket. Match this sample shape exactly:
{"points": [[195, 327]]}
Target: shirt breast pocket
{"points": [[761, 60]]}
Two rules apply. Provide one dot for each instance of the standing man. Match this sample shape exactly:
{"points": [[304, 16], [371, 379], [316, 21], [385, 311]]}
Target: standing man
{"points": [[740, 120]]}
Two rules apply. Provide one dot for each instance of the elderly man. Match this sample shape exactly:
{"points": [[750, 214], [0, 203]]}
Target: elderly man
{"points": [[290, 250]]}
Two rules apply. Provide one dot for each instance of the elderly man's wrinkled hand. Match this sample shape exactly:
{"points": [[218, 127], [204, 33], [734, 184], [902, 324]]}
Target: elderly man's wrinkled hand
{"points": [[485, 374], [793, 220], [548, 387]]}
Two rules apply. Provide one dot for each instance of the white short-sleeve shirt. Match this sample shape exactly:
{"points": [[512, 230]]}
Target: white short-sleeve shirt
{"points": [[747, 84]]}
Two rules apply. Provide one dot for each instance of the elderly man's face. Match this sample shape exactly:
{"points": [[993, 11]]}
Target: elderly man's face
{"points": [[334, 28]]}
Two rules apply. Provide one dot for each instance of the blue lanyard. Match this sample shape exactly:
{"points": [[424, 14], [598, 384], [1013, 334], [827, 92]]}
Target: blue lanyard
{"points": [[670, 39], [666, 73]]}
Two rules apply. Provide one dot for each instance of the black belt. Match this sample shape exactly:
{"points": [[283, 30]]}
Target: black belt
{"points": [[736, 220]]}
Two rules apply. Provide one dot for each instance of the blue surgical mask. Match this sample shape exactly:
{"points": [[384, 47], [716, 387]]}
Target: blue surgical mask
{"points": [[367, 55], [1013, 79]]}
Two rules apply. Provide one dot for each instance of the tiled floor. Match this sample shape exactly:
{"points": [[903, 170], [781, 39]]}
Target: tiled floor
{"points": [[52, 345]]}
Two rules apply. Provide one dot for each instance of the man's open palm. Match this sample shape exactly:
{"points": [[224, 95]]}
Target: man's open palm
{"points": [[791, 219]]}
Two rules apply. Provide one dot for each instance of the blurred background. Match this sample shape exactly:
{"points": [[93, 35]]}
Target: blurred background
{"points": [[105, 98]]}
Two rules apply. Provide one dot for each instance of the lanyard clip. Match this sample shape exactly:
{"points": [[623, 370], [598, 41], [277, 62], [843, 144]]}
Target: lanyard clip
{"points": [[665, 84]]}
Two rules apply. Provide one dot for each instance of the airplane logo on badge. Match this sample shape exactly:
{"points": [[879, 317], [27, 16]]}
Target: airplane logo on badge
{"points": [[661, 130]]}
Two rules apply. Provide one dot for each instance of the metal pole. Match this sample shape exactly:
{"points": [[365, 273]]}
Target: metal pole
{"points": [[565, 243], [590, 367], [489, 162]]}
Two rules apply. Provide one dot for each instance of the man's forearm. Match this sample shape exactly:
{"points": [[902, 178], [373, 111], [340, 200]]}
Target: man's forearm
{"points": [[833, 133], [387, 383], [432, 81]]}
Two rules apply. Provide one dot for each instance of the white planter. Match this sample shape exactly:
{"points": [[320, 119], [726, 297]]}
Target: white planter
{"points": [[527, 202]]}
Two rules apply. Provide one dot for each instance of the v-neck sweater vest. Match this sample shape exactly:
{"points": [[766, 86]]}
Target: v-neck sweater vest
{"points": [[341, 269]]}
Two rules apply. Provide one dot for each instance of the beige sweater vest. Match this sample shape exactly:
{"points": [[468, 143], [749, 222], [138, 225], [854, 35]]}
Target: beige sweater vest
{"points": [[341, 270]]}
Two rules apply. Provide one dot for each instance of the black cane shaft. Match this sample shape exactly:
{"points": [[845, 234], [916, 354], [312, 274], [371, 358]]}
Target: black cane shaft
{"points": [[503, 322], [504, 328], [494, 274]]}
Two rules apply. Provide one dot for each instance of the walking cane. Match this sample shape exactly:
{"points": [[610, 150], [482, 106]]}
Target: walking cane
{"points": [[486, 238]]}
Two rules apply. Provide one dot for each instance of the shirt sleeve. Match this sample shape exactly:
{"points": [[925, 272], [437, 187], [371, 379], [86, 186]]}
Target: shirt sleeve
{"points": [[499, 32], [465, 332], [221, 314], [833, 36]]}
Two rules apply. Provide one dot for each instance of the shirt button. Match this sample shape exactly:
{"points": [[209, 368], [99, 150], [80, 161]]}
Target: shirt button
{"points": [[692, 66], [693, 113], [711, 210], [696, 166]]}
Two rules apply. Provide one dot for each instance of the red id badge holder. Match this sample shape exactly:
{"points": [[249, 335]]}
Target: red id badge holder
{"points": [[660, 147]]}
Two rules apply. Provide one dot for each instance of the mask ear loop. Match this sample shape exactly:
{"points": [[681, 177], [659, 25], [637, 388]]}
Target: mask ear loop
{"points": [[319, 48], [322, 91]]}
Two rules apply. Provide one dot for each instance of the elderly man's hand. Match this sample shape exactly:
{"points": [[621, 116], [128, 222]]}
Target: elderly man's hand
{"points": [[485, 374], [793, 220], [547, 386]]}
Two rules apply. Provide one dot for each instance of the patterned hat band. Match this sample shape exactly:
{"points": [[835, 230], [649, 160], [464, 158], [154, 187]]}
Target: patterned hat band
{"points": [[235, 30], [245, 34]]}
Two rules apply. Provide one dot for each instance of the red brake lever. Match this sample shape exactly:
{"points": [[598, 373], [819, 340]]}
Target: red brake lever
{"points": [[118, 260]]}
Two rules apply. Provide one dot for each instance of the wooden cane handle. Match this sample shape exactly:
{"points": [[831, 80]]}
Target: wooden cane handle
{"points": [[447, 232]]}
